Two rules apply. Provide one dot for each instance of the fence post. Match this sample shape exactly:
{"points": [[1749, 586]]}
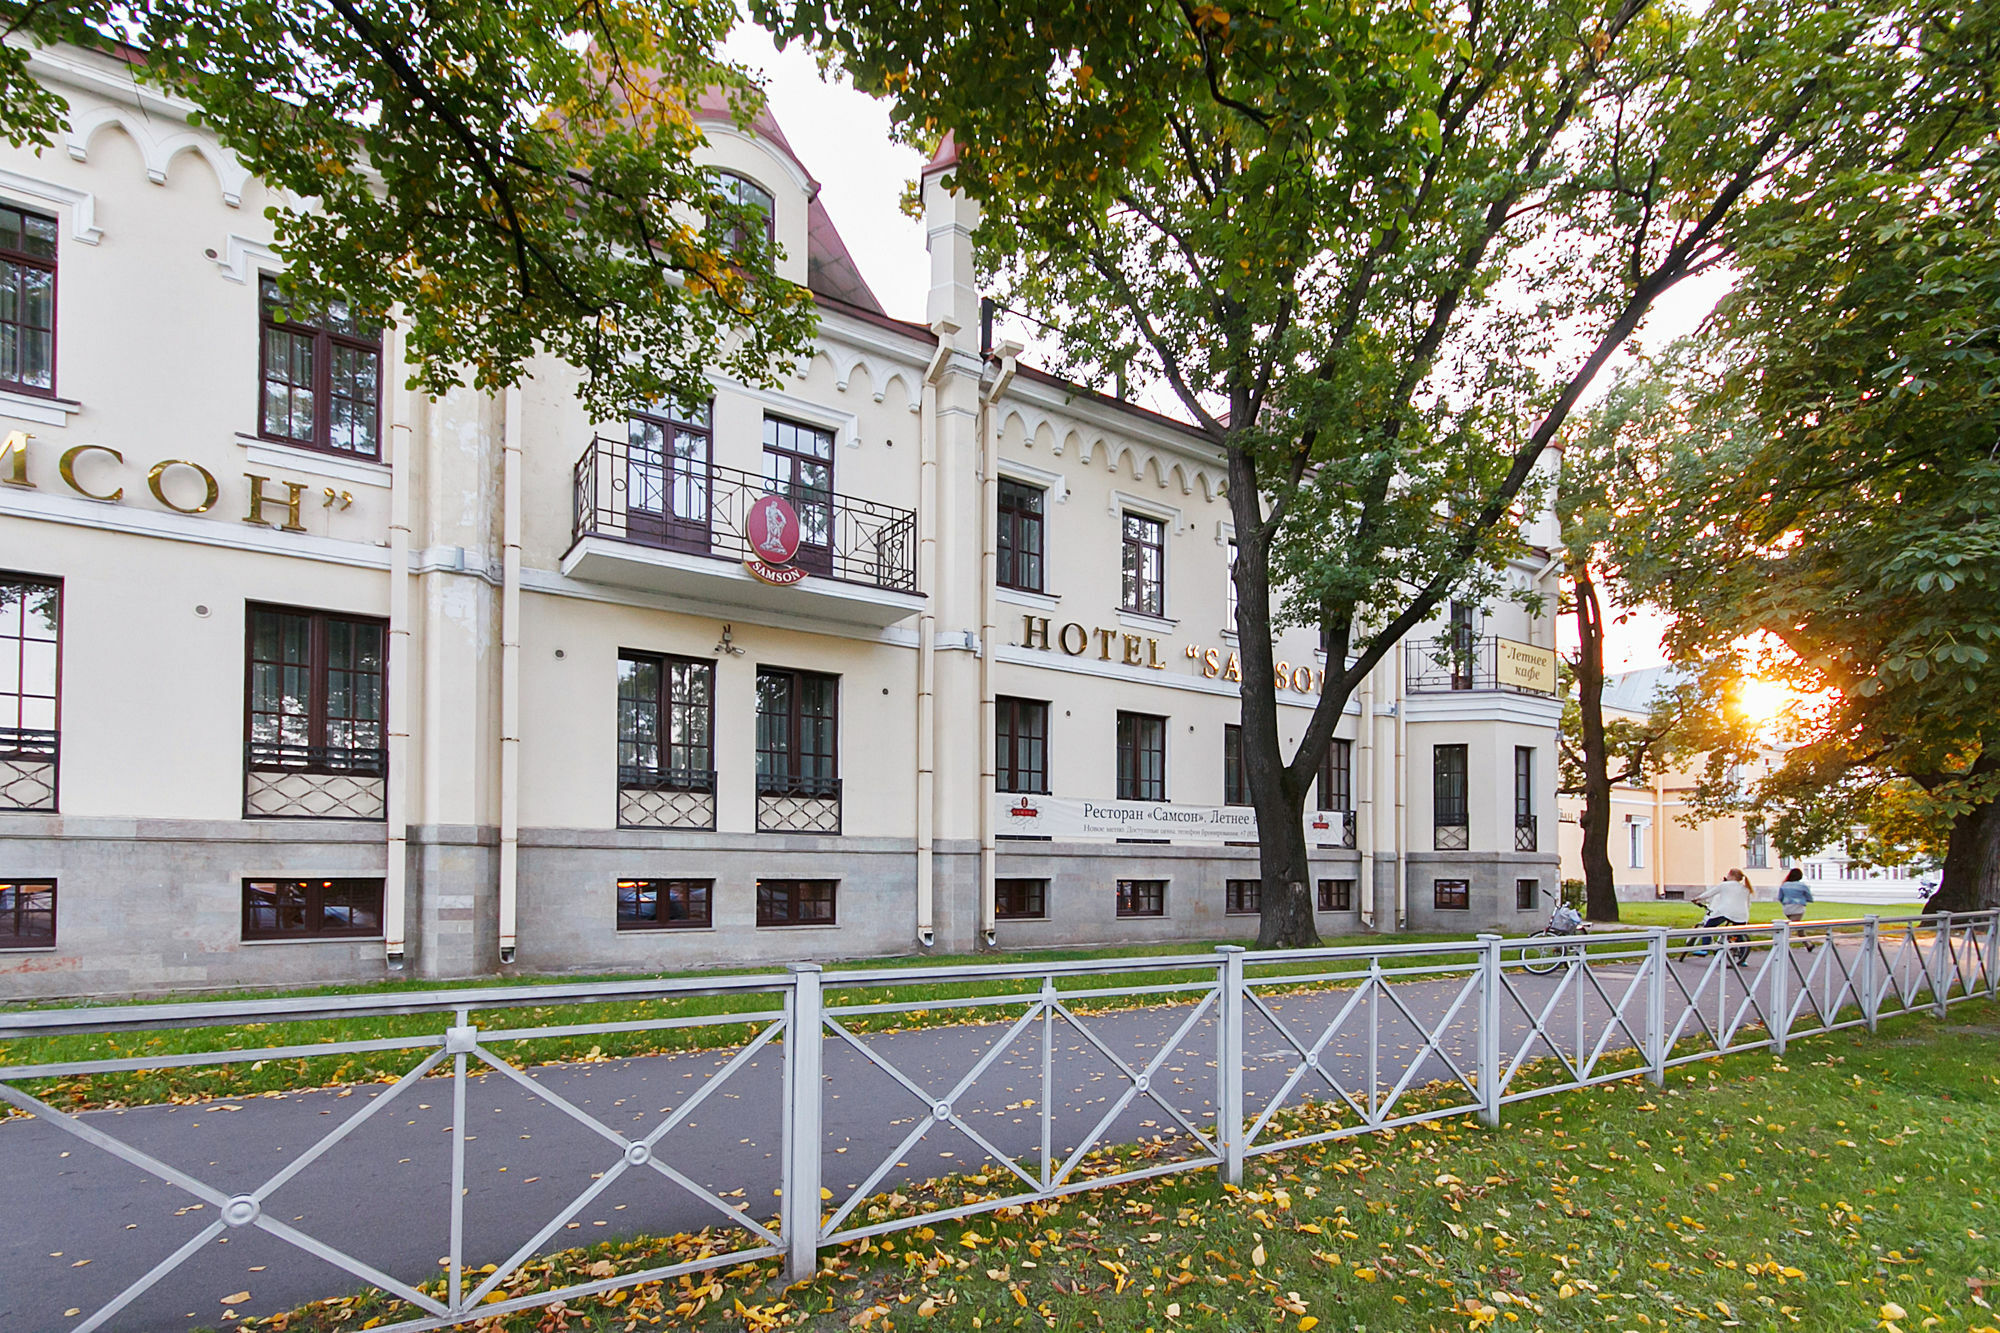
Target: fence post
{"points": [[1656, 1007], [804, 1018], [1993, 955], [1945, 965], [1229, 1064], [1871, 954], [1489, 1030], [1779, 1021]]}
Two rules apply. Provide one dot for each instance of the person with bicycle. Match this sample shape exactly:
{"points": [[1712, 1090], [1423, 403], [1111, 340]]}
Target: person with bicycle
{"points": [[1728, 904]]}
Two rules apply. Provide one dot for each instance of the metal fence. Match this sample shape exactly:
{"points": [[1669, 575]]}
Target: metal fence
{"points": [[1047, 1078]]}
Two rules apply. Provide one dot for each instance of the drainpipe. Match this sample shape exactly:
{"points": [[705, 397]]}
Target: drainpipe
{"points": [[1003, 363], [510, 669], [1364, 818], [927, 508], [396, 797], [1402, 799]]}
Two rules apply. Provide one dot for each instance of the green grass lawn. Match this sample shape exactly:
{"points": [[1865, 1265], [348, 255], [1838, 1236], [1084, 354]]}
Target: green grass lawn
{"points": [[1853, 1185], [1668, 912]]}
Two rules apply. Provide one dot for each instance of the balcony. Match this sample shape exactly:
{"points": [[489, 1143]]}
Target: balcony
{"points": [[662, 524], [673, 798], [1487, 663], [29, 761], [315, 781]]}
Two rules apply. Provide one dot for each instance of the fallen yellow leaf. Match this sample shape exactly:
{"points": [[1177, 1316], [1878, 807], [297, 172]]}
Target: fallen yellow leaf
{"points": [[236, 1298]]}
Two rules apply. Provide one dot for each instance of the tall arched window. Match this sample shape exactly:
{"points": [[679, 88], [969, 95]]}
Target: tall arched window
{"points": [[748, 194]]}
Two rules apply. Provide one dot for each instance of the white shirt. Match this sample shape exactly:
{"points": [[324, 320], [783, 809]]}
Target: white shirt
{"points": [[1729, 900]]}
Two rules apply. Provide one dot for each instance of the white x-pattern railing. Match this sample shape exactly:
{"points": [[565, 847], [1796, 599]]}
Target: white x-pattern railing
{"points": [[1363, 1038]]}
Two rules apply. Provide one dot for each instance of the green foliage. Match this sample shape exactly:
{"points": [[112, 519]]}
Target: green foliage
{"points": [[1832, 517], [501, 179]]}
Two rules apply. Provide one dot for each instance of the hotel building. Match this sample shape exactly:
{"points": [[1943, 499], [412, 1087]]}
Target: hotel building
{"points": [[308, 678]]}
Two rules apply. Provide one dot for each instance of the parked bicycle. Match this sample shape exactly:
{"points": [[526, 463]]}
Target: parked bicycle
{"points": [[1557, 942]]}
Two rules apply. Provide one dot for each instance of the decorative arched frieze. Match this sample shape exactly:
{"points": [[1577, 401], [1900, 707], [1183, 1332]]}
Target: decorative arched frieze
{"points": [[158, 146]]}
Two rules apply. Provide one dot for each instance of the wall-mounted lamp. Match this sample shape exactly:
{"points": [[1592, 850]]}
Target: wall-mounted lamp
{"points": [[726, 644]]}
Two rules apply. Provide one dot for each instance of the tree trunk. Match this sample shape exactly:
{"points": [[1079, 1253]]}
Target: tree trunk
{"points": [[1971, 879], [1285, 906], [1599, 886]]}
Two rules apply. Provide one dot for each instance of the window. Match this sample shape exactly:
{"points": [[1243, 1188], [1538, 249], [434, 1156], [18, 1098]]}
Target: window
{"points": [[1142, 897], [1756, 849], [1241, 896], [322, 377], [1142, 757], [1462, 645], [1336, 895], [1448, 797], [1451, 895], [1525, 893], [1235, 777], [316, 692], [27, 914], [1021, 728], [27, 301], [1336, 776], [1144, 565], [1020, 899], [667, 477], [1635, 839], [664, 904], [748, 195], [797, 730], [312, 909], [30, 667], [798, 464], [666, 709], [1019, 558], [795, 902], [1526, 834], [1230, 600]]}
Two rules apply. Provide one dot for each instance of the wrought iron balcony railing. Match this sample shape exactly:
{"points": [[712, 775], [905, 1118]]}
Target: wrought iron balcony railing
{"points": [[1469, 664], [1452, 838], [30, 759], [646, 777], [356, 761], [314, 781], [673, 504], [1527, 833]]}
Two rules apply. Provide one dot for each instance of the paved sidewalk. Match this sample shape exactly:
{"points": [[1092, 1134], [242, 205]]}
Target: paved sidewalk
{"points": [[81, 1225]]}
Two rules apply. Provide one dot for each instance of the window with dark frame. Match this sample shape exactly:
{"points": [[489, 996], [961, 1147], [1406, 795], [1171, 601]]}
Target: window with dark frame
{"points": [[1336, 776], [27, 301], [1240, 897], [312, 909], [1231, 598], [30, 683], [317, 683], [27, 914], [1021, 745], [1143, 565], [1020, 899], [664, 904], [1142, 897], [666, 722], [1142, 757], [1463, 643], [1235, 776], [798, 728], [1756, 848], [1449, 804], [1018, 557], [1336, 895], [320, 376], [1451, 895], [796, 902], [798, 465], [668, 477], [1525, 893], [747, 194]]}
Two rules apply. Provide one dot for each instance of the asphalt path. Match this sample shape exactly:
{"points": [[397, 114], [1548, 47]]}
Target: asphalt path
{"points": [[80, 1224]]}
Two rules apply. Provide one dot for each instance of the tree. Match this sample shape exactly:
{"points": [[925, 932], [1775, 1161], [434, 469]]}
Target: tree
{"points": [[1836, 513], [1377, 252], [505, 179]]}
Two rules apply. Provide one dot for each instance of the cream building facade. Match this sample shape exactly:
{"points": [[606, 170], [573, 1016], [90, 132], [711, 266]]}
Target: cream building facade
{"points": [[312, 679]]}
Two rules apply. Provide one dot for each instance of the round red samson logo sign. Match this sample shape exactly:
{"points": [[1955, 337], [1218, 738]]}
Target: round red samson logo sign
{"points": [[773, 528]]}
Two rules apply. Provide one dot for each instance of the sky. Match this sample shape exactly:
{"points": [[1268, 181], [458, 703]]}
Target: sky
{"points": [[843, 137]]}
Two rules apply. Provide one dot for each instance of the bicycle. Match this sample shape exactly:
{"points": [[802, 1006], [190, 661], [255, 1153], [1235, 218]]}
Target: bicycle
{"points": [[1721, 939], [1565, 923]]}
